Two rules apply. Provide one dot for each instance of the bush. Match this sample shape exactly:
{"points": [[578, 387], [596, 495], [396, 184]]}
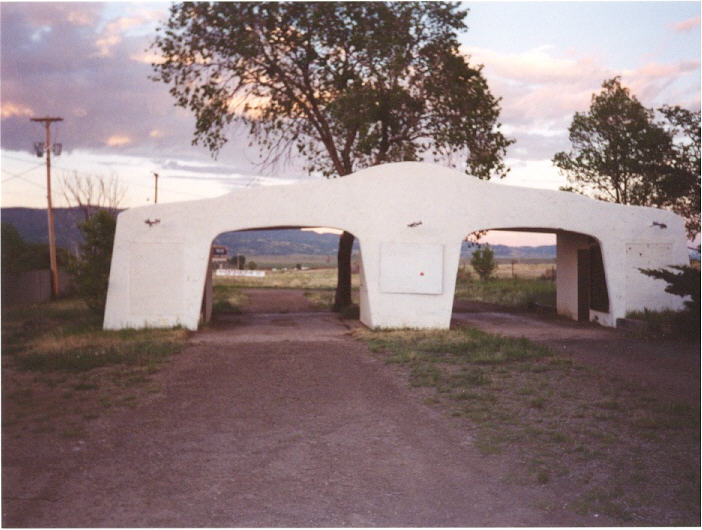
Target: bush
{"points": [[685, 283], [483, 262], [20, 256], [91, 270]]}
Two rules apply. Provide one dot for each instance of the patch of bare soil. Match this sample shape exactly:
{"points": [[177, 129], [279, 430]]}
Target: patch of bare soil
{"points": [[670, 368], [273, 301], [301, 427], [263, 420]]}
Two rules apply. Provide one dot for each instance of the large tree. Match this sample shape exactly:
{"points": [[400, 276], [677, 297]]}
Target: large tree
{"points": [[346, 85], [622, 152], [679, 184]]}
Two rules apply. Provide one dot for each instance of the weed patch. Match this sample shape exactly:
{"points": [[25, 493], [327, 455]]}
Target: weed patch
{"points": [[575, 430], [512, 292], [61, 369]]}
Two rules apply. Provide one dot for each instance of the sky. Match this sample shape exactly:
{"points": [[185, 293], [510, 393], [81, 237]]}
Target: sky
{"points": [[90, 64]]}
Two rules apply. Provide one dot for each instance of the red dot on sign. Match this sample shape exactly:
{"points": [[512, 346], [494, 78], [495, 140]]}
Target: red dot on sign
{"points": [[421, 274]]}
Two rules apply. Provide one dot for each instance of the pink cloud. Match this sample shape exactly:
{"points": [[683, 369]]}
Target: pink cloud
{"points": [[687, 25], [51, 13]]}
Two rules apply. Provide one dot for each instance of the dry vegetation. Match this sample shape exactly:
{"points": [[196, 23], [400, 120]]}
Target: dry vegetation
{"points": [[60, 369], [287, 279], [633, 456], [508, 269]]}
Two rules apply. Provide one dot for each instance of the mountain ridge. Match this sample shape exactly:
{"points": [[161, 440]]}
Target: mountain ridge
{"points": [[32, 225]]}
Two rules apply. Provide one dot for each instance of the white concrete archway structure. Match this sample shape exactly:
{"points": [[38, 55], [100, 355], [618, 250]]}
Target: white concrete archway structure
{"points": [[410, 219]]}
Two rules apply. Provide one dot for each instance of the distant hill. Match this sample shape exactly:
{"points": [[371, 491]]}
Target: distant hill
{"points": [[32, 226], [506, 252], [279, 242]]}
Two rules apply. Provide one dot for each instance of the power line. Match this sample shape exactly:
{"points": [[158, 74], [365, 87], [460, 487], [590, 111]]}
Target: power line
{"points": [[91, 174], [18, 175], [28, 181]]}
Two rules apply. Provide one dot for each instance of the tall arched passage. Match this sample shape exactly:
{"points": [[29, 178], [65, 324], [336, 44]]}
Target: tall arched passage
{"points": [[275, 270], [411, 219], [580, 275]]}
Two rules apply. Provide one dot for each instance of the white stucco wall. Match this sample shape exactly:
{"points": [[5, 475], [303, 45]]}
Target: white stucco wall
{"points": [[159, 271]]}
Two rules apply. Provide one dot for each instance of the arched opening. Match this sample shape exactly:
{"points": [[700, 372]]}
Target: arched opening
{"points": [[279, 269], [539, 270]]}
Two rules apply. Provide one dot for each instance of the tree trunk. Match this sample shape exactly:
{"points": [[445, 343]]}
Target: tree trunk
{"points": [[342, 299]]}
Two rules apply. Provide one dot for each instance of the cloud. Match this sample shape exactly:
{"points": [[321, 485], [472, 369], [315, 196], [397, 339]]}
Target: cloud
{"points": [[118, 140], [101, 96], [88, 63], [687, 25], [10, 109], [114, 33], [541, 89], [218, 169]]}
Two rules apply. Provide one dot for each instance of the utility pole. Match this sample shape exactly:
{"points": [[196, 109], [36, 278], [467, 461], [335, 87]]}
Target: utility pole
{"points": [[155, 187], [40, 150]]}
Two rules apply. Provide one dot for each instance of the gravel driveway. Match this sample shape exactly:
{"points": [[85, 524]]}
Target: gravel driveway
{"points": [[269, 420]]}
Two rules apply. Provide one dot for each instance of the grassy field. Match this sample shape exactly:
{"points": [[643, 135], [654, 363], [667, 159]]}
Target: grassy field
{"points": [[291, 260], [288, 279], [518, 292], [506, 269], [58, 362], [526, 288], [318, 287], [626, 450]]}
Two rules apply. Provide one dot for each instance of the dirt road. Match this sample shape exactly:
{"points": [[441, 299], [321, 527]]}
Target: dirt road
{"points": [[272, 419], [269, 420]]}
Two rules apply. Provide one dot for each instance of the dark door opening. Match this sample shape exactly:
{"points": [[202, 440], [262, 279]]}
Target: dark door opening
{"points": [[583, 285]]}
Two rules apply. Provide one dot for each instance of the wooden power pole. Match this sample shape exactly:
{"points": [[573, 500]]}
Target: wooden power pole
{"points": [[52, 237], [155, 187]]}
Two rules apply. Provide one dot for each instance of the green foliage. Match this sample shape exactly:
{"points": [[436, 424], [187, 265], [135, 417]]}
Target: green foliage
{"points": [[557, 419], [622, 153], [345, 85], [252, 266], [20, 256], [91, 270], [65, 335], [342, 85], [239, 261], [617, 147], [685, 283], [512, 292], [483, 262], [680, 182]]}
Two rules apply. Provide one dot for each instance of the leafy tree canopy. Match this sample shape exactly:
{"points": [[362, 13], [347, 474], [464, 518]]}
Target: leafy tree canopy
{"points": [[21, 256], [91, 270], [483, 262], [346, 84], [622, 152]]}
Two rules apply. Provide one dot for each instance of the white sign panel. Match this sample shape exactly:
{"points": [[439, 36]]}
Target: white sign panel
{"points": [[411, 268]]}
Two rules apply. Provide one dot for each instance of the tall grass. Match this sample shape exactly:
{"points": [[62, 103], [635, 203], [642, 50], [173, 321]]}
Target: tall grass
{"points": [[513, 292], [66, 335]]}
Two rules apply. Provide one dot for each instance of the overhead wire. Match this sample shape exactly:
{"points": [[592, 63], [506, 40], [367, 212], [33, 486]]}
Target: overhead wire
{"points": [[17, 175], [88, 174], [251, 182], [29, 181]]}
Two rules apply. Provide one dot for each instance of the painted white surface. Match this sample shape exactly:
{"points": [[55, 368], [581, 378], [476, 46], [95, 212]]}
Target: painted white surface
{"points": [[240, 272], [411, 268], [158, 270]]}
